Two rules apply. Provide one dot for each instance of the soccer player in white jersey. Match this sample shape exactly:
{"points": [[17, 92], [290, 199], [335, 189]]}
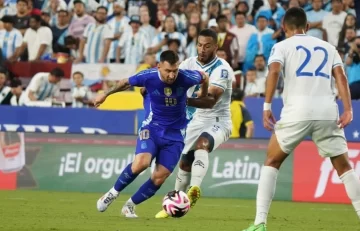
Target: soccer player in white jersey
{"points": [[311, 68], [209, 127]]}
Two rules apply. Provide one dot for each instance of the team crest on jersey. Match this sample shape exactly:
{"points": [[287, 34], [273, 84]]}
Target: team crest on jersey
{"points": [[224, 74], [167, 91]]}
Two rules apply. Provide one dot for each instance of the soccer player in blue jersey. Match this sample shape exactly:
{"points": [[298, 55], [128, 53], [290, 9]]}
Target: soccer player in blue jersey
{"points": [[162, 132]]}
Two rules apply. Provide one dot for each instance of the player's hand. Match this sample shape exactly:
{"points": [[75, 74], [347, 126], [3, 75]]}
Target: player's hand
{"points": [[99, 99], [268, 120], [345, 119]]}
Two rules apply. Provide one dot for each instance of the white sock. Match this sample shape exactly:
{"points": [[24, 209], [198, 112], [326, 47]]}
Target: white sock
{"points": [[129, 202], [199, 167], [265, 193], [352, 186], [182, 180]]}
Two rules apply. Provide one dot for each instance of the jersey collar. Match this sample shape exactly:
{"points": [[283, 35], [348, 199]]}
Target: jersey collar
{"points": [[208, 64]]}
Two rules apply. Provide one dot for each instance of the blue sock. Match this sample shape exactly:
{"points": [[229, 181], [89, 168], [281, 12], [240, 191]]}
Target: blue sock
{"points": [[146, 191], [125, 178]]}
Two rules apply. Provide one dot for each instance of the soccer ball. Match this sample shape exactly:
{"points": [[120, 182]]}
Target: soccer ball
{"points": [[176, 203]]}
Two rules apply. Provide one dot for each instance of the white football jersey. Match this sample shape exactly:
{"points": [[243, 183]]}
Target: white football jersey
{"points": [[221, 75], [309, 87]]}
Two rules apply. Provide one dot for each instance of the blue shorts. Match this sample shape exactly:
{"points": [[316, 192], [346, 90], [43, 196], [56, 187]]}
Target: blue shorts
{"points": [[166, 151]]}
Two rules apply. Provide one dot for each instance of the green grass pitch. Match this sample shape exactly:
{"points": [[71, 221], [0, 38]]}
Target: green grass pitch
{"points": [[65, 211]]}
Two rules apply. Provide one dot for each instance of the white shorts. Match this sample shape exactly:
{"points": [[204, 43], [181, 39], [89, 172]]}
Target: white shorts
{"points": [[219, 129], [328, 137]]}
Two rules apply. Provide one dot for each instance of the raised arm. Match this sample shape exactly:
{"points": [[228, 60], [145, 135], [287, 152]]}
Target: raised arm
{"points": [[122, 85]]}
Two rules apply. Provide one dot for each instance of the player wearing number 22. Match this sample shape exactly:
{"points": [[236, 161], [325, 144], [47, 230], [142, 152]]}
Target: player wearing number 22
{"points": [[311, 68], [162, 133]]}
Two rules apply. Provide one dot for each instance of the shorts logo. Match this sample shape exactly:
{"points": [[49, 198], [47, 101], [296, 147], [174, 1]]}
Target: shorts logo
{"points": [[200, 163], [143, 145], [224, 74], [167, 91]]}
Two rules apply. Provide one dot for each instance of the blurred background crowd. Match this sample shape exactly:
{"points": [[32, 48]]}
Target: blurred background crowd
{"points": [[136, 32]]}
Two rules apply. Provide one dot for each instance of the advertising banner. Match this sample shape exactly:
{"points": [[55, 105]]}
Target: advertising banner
{"points": [[92, 164], [315, 179]]}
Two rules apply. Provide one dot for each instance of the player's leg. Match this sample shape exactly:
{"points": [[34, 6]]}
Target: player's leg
{"points": [[210, 138], [277, 152], [166, 160], [145, 152], [331, 142]]}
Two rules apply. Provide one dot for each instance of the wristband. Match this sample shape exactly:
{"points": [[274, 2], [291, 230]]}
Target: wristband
{"points": [[267, 106]]}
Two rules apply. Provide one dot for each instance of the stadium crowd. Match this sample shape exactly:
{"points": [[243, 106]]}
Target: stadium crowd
{"points": [[136, 32]]}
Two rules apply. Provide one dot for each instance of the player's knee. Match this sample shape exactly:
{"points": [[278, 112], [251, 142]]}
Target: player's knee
{"points": [[159, 178], [341, 164], [140, 163], [205, 142], [185, 166], [273, 162]]}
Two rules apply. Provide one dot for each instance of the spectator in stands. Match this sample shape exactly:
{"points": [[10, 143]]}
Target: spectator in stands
{"points": [[110, 6], [146, 27], [5, 9], [60, 30], [37, 39], [43, 86], [17, 92], [213, 10], [22, 18], [315, 18], [191, 40], [350, 22], [90, 6], [149, 62], [174, 45], [5, 91], [243, 31], [228, 41], [81, 94], [45, 16], [228, 14], [333, 22], [349, 7], [274, 12], [294, 3], [118, 24], [134, 43], [254, 87], [72, 44], [260, 67], [159, 43], [221, 53], [177, 11], [305, 4], [352, 62], [350, 36], [10, 40], [260, 42], [243, 126], [97, 38], [80, 20]]}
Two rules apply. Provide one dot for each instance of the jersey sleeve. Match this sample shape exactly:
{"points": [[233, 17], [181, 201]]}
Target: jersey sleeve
{"points": [[139, 79], [220, 77], [183, 65], [193, 77], [337, 60], [277, 55]]}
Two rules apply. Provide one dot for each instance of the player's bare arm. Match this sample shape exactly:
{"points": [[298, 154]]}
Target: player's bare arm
{"points": [[122, 85], [209, 101], [271, 82], [204, 86], [344, 92]]}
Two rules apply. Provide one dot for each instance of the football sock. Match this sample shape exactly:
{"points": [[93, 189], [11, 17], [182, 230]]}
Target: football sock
{"points": [[125, 178], [352, 186], [146, 191], [182, 180], [265, 193], [199, 167]]}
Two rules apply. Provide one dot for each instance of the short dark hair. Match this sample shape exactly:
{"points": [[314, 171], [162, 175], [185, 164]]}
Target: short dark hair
{"points": [[78, 73], [70, 40], [8, 19], [102, 7], [220, 17], [36, 17], [24, 1], [209, 33], [15, 82], [295, 17], [259, 56], [251, 69], [237, 94], [240, 13], [57, 72], [63, 11], [78, 1], [171, 41], [169, 56]]}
